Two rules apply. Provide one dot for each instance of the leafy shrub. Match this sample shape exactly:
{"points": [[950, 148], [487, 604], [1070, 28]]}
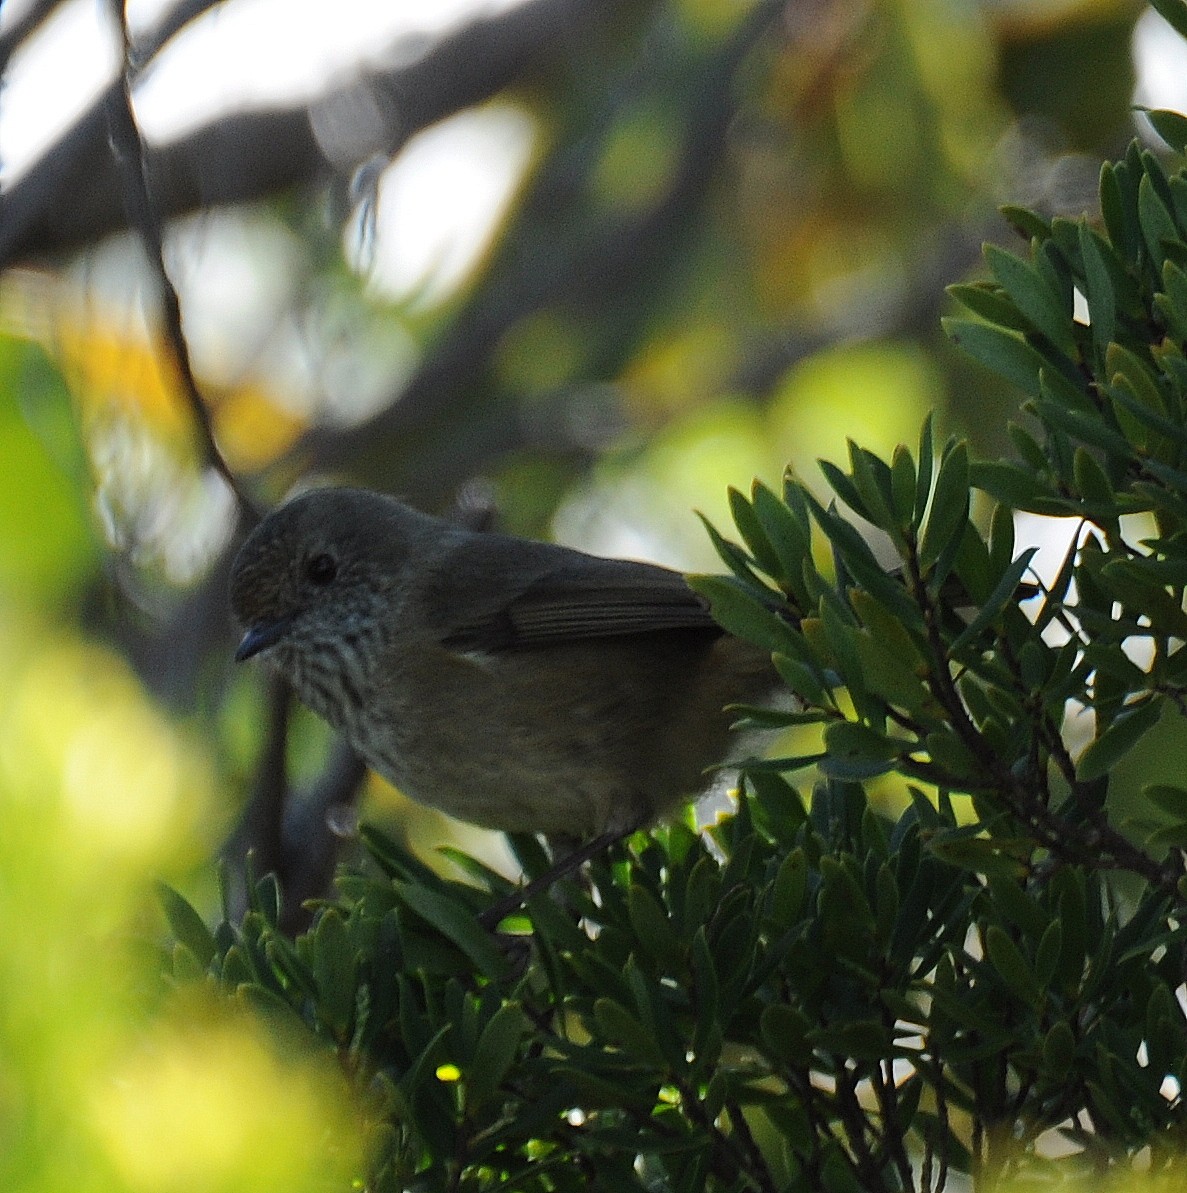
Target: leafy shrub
{"points": [[816, 995]]}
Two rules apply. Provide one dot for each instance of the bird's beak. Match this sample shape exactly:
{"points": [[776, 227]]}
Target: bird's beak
{"points": [[260, 636]]}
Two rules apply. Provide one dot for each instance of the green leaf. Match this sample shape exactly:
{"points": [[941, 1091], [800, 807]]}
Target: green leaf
{"points": [[1118, 739], [185, 966], [783, 1031], [187, 925], [736, 608], [1028, 223], [1118, 207], [1048, 953], [651, 925], [1167, 798], [788, 890], [777, 806], [496, 1050], [334, 966], [731, 554], [1008, 483], [1001, 537], [801, 678], [1141, 589], [927, 465], [856, 556], [1007, 959], [1042, 306], [1172, 304], [903, 484], [873, 480], [1174, 12], [949, 508], [454, 922], [1158, 226], [861, 1039], [705, 993], [1170, 126], [846, 490], [1005, 352], [1086, 425], [1028, 448], [949, 753], [1169, 835], [1102, 303], [852, 743], [789, 537], [1092, 480], [903, 634], [753, 534], [1124, 365], [1059, 1049], [890, 674], [990, 303], [617, 1025], [1002, 594]]}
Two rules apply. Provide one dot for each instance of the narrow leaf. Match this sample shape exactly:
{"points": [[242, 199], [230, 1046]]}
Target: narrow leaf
{"points": [[1118, 739]]}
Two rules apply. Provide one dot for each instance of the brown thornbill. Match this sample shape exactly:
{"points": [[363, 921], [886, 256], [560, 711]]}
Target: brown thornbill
{"points": [[514, 684]]}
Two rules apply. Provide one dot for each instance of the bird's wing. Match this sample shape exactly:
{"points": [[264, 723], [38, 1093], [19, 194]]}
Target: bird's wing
{"points": [[572, 597]]}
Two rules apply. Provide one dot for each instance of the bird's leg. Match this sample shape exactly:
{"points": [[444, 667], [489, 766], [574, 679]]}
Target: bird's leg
{"points": [[560, 868]]}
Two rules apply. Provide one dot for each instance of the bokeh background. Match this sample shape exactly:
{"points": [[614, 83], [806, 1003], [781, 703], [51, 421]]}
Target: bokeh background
{"points": [[570, 267]]}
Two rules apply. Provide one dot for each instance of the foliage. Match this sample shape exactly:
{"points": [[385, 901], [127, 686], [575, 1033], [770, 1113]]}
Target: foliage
{"points": [[816, 995]]}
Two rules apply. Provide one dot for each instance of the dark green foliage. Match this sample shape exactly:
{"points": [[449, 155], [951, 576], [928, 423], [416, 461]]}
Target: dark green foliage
{"points": [[817, 995]]}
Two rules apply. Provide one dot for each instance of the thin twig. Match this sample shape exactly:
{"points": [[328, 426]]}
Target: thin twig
{"points": [[129, 153]]}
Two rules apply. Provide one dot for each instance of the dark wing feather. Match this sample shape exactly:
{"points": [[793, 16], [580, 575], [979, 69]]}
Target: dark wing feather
{"points": [[578, 597]]}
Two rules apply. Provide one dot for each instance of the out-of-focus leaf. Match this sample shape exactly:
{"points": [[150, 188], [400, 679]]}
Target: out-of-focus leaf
{"points": [[1174, 12], [47, 549], [1167, 798], [334, 969], [187, 925]]}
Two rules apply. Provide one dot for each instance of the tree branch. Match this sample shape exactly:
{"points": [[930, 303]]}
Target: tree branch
{"points": [[128, 153], [71, 197]]}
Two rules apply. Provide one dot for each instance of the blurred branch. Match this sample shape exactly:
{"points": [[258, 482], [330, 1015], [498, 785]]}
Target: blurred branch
{"points": [[292, 834], [71, 197], [910, 307], [24, 24], [43, 212], [316, 823], [260, 830], [413, 444], [128, 153]]}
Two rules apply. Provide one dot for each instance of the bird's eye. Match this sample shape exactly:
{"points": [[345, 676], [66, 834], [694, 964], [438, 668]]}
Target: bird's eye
{"points": [[321, 570]]}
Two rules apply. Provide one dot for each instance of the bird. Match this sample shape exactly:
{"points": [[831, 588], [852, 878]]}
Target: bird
{"points": [[514, 684]]}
